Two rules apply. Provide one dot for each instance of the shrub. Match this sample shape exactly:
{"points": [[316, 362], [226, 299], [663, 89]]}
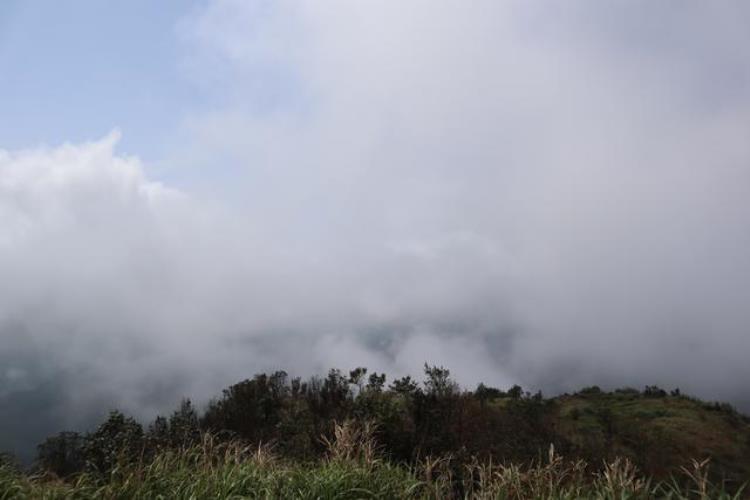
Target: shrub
{"points": [[593, 390]]}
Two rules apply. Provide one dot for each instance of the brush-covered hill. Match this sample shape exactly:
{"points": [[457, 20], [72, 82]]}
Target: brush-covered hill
{"points": [[412, 422], [658, 431]]}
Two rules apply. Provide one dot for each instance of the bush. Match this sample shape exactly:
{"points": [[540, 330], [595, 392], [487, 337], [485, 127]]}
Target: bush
{"points": [[653, 391], [410, 422], [214, 469], [63, 454], [119, 438], [593, 390]]}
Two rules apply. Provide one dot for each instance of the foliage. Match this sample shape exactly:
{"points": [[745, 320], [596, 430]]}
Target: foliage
{"points": [[444, 439], [62, 455], [119, 438], [353, 469]]}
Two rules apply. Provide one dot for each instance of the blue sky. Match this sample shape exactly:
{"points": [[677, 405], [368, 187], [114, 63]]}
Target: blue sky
{"points": [[72, 71]]}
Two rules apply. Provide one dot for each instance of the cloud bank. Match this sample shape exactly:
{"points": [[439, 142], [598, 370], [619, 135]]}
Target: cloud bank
{"points": [[522, 193]]}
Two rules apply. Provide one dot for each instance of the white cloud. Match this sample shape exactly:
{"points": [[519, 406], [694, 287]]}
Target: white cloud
{"points": [[572, 181], [521, 195]]}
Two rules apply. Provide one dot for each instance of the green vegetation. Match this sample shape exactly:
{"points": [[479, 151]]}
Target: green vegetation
{"points": [[352, 468], [354, 437]]}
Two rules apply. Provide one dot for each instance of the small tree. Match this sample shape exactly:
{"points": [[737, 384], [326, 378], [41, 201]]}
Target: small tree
{"points": [[376, 382], [404, 385], [357, 376], [515, 392], [483, 392], [654, 391], [62, 454], [438, 382], [119, 437], [157, 436], [183, 425]]}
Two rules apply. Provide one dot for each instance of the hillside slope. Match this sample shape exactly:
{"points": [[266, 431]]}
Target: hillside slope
{"points": [[657, 432]]}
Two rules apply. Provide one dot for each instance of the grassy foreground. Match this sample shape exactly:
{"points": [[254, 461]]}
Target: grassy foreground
{"points": [[353, 469]]}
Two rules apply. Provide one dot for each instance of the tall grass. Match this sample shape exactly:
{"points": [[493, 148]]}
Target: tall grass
{"points": [[354, 468]]}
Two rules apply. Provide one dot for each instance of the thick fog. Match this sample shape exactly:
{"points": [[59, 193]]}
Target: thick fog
{"points": [[549, 195]]}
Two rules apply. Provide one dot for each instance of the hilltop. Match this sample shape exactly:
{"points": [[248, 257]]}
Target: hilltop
{"points": [[405, 424]]}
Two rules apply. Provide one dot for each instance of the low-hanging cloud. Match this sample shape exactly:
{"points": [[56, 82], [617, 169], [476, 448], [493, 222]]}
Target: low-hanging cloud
{"points": [[523, 194]]}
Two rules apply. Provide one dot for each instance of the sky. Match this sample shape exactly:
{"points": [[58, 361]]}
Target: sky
{"points": [[192, 192]]}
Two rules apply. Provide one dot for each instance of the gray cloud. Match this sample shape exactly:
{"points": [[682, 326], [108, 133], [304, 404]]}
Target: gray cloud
{"points": [[522, 193]]}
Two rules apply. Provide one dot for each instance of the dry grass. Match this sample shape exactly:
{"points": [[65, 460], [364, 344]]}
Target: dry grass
{"points": [[354, 468], [353, 443]]}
